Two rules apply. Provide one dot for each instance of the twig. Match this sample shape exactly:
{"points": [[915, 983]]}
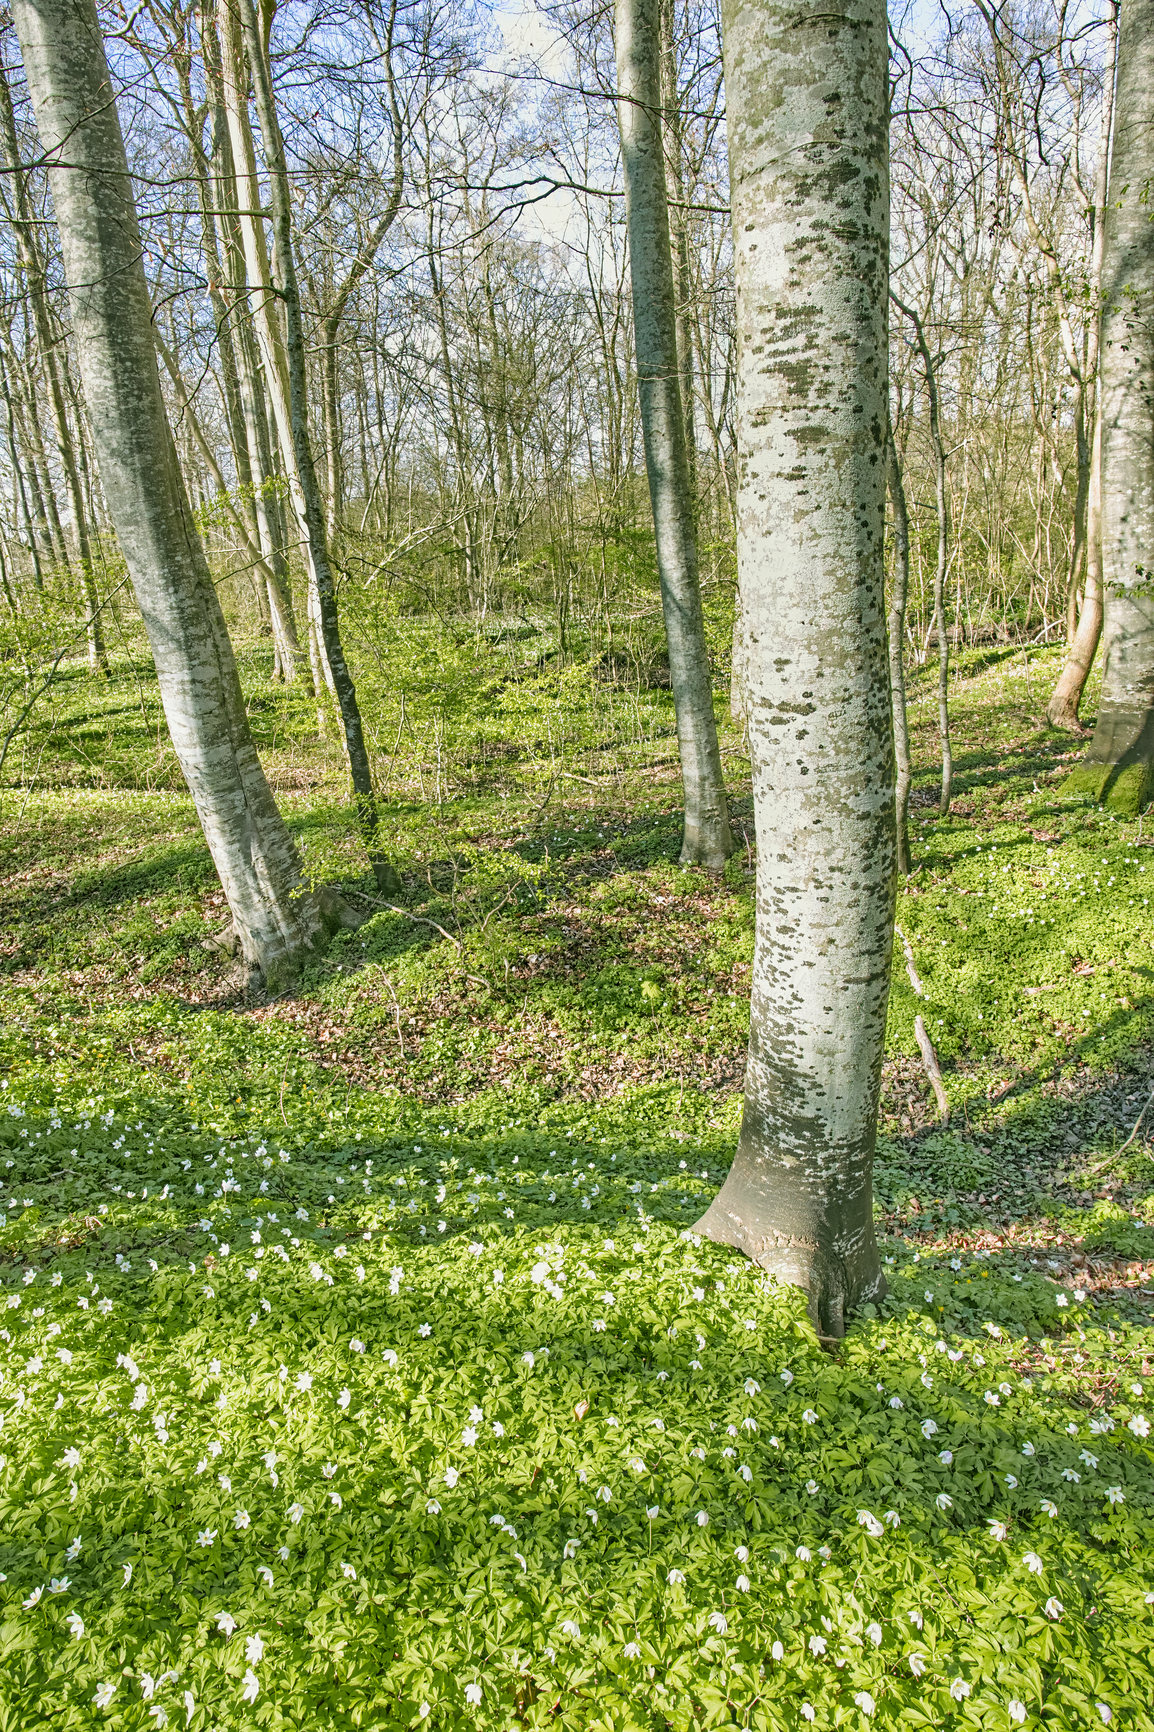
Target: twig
{"points": [[933, 1070], [17, 724], [1137, 1122], [423, 920]]}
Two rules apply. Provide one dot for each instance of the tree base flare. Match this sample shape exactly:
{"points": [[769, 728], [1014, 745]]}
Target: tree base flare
{"points": [[1125, 789], [835, 1286], [707, 848], [387, 880], [252, 976], [1064, 716]]}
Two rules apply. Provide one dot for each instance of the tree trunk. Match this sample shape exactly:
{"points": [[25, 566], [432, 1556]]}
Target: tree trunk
{"points": [[44, 497], [1062, 710], [19, 487], [251, 437], [30, 258], [808, 141], [707, 838], [285, 376], [278, 920], [942, 501], [899, 594], [671, 129], [1119, 767]]}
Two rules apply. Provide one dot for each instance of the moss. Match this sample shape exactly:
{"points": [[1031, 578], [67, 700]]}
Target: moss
{"points": [[1125, 791]]}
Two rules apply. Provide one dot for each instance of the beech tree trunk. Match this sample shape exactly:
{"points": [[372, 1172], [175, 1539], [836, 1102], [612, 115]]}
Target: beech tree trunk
{"points": [[1119, 766], [899, 595], [808, 124], [1062, 710], [31, 258], [278, 921], [942, 502], [707, 839], [288, 390], [250, 423]]}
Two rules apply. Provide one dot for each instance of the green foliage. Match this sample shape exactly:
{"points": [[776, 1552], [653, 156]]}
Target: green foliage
{"points": [[376, 1419]]}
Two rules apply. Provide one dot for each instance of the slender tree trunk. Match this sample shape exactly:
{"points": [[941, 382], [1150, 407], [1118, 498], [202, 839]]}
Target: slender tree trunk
{"points": [[1062, 710], [295, 427], [251, 438], [30, 257], [808, 141], [283, 354], [44, 498], [941, 568], [707, 838], [266, 584], [278, 920], [897, 634], [671, 131], [1119, 766]]}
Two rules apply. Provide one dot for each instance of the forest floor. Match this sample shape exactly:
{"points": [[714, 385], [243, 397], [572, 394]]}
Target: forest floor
{"points": [[359, 1369]]}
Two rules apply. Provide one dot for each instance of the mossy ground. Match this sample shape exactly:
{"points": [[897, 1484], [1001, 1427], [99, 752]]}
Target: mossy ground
{"points": [[537, 1072]]}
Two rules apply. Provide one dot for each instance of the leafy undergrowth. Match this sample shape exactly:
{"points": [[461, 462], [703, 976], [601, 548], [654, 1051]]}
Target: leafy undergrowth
{"points": [[360, 1367], [321, 1436]]}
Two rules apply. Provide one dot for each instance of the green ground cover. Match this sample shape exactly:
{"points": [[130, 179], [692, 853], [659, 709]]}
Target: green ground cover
{"points": [[359, 1367]]}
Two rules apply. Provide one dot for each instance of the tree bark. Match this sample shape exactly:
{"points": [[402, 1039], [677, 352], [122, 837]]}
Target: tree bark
{"points": [[288, 389], [251, 439], [808, 139], [19, 487], [942, 502], [30, 257], [1065, 701], [330, 397], [707, 839], [899, 594], [1119, 766], [278, 920]]}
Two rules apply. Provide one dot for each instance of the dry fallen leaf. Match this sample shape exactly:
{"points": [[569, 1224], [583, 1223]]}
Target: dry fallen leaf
{"points": [[581, 1409]]}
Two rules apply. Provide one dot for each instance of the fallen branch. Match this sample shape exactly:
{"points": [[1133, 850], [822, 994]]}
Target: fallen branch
{"points": [[915, 982], [933, 1069], [1137, 1122], [925, 1044]]}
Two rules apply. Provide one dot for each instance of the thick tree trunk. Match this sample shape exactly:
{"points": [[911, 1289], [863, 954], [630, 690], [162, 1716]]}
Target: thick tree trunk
{"points": [[278, 920], [1119, 767], [808, 116], [899, 594], [707, 838]]}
